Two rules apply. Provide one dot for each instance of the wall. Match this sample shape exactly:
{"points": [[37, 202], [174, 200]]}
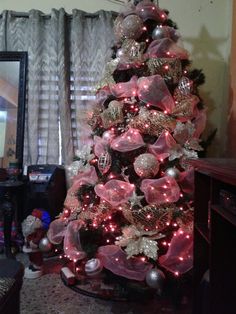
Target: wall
{"points": [[205, 26], [231, 144]]}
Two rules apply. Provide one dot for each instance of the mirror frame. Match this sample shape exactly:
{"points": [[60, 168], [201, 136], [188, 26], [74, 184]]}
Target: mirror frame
{"points": [[20, 56]]}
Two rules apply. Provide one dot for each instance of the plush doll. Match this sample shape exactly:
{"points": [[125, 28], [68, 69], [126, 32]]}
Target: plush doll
{"points": [[34, 229]]}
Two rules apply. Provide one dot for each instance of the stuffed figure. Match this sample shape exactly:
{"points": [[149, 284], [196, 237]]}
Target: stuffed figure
{"points": [[34, 229]]}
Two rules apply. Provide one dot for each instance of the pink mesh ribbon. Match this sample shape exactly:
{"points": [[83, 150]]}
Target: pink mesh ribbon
{"points": [[200, 123], [127, 89], [148, 11], [115, 192], [100, 146], [166, 48], [159, 191], [59, 231], [71, 200], [88, 177], [102, 94], [128, 141], [186, 181], [114, 259], [179, 257], [56, 231], [72, 245], [153, 90], [162, 146]]}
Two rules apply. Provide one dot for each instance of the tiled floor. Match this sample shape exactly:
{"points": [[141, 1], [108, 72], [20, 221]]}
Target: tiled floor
{"points": [[48, 295]]}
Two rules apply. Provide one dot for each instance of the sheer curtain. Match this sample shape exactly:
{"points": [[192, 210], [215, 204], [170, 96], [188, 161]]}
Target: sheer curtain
{"points": [[66, 59]]}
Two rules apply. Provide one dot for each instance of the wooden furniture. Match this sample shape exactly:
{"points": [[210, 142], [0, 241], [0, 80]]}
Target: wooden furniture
{"points": [[10, 190], [215, 235], [11, 279]]}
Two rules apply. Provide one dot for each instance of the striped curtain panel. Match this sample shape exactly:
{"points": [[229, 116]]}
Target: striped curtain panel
{"points": [[66, 58]]}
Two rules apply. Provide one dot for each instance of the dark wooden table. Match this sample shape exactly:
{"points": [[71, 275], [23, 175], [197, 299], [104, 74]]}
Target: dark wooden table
{"points": [[8, 206]]}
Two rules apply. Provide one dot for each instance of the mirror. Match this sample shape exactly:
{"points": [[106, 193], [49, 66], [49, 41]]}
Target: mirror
{"points": [[12, 107]]}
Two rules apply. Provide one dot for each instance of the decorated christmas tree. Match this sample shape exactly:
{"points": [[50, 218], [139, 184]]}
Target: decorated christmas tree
{"points": [[129, 209]]}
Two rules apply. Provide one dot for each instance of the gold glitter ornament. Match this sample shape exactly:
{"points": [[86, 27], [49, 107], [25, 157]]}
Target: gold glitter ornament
{"points": [[113, 114], [117, 29], [169, 68], [152, 122], [146, 165], [131, 27]]}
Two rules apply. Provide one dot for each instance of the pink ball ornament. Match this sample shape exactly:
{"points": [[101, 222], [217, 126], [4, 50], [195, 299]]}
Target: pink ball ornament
{"points": [[132, 26], [146, 165]]}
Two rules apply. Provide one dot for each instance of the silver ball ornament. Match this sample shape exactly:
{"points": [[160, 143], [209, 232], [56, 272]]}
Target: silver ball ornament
{"points": [[172, 172], [185, 85], [93, 267], [119, 53], [108, 135], [146, 165], [155, 279], [158, 33], [45, 245]]}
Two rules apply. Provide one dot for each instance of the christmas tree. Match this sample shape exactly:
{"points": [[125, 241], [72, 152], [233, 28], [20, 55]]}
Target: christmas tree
{"points": [[129, 209]]}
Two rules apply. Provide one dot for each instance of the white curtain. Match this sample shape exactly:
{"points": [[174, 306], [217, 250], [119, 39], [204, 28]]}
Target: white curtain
{"points": [[66, 59]]}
